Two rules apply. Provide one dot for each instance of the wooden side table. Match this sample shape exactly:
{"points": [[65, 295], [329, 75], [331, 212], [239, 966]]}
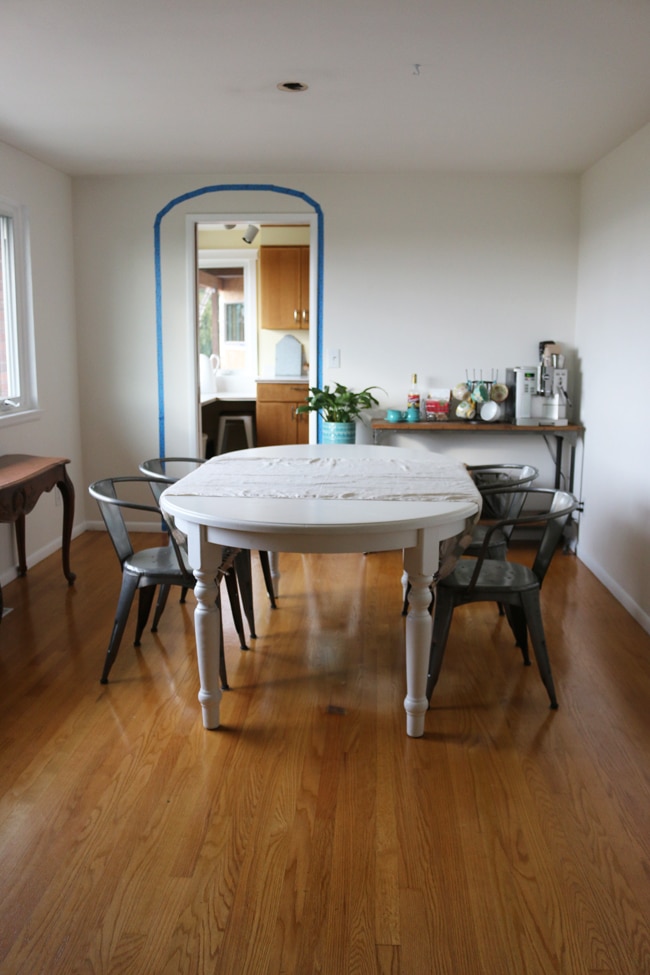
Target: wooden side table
{"points": [[23, 478]]}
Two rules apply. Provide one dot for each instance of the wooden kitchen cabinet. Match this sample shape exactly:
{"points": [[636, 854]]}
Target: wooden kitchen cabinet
{"points": [[276, 419], [284, 286]]}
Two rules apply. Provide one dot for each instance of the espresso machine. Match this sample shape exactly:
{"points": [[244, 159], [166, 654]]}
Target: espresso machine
{"points": [[538, 394]]}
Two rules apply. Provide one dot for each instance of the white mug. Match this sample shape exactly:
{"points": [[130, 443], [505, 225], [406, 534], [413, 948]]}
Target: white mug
{"points": [[491, 411]]}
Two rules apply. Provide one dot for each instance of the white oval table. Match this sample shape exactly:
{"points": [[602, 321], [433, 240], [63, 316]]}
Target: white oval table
{"points": [[323, 498]]}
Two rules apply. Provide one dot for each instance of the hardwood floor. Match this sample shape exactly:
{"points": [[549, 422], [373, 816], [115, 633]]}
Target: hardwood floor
{"points": [[308, 834]]}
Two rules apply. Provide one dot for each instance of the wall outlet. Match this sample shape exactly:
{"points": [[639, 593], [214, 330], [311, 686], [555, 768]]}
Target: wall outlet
{"points": [[334, 358]]}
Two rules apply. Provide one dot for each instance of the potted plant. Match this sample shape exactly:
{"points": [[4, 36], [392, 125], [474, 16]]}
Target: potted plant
{"points": [[338, 409]]}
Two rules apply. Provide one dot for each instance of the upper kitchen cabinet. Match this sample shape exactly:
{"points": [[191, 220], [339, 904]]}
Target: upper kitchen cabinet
{"points": [[284, 286]]}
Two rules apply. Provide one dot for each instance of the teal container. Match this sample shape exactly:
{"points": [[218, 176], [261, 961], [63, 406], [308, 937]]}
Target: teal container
{"points": [[338, 432]]}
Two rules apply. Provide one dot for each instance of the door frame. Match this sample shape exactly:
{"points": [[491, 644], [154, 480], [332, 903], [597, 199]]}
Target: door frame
{"points": [[251, 215]]}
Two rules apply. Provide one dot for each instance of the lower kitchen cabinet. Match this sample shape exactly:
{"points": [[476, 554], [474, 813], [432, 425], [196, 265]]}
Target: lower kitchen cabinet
{"points": [[276, 420]]}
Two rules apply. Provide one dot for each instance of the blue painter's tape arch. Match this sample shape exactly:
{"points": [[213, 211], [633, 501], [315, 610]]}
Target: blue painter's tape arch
{"points": [[220, 188]]}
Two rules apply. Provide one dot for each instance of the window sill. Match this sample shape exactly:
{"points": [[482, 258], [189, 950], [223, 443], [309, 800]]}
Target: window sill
{"points": [[8, 419]]}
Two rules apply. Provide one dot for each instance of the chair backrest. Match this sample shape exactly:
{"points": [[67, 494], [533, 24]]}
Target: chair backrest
{"points": [[563, 504], [557, 509], [111, 505], [495, 483], [163, 471], [170, 469]]}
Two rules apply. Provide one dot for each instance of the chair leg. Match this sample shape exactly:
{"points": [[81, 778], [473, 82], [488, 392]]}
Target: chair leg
{"points": [[233, 596], [124, 603], [517, 620], [533, 613], [145, 603], [222, 656], [268, 578], [244, 573], [444, 610], [163, 593]]}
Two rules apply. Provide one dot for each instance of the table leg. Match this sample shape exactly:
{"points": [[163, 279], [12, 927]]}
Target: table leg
{"points": [[207, 623], [20, 545], [418, 646], [66, 488]]}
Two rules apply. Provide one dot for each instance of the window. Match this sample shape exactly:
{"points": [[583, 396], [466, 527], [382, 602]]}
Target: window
{"points": [[227, 309], [17, 370]]}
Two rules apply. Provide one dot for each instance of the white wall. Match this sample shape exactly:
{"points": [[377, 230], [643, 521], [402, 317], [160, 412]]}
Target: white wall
{"points": [[56, 432], [434, 274], [613, 335], [431, 273]]}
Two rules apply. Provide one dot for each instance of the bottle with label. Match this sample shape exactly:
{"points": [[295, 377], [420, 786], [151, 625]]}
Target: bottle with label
{"points": [[413, 396]]}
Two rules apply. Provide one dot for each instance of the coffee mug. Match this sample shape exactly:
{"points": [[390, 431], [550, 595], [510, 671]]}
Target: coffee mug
{"points": [[412, 415], [394, 416], [480, 393], [499, 392], [491, 411], [466, 410]]}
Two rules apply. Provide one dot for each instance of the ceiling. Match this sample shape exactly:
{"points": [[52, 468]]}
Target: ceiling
{"points": [[101, 87]]}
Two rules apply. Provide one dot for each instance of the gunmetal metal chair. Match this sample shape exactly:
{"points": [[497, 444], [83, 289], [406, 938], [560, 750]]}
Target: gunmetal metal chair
{"points": [[167, 470], [515, 586], [143, 570], [497, 485]]}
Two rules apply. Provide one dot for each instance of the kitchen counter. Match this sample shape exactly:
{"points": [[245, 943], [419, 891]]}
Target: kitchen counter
{"points": [[227, 398], [283, 379]]}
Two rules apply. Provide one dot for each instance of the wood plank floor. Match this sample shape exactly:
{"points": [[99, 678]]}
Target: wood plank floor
{"points": [[309, 834]]}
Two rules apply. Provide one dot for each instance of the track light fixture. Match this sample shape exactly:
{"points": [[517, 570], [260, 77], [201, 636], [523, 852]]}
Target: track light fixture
{"points": [[251, 233]]}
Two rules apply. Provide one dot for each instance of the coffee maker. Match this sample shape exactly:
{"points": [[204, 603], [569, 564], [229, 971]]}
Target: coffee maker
{"points": [[538, 394]]}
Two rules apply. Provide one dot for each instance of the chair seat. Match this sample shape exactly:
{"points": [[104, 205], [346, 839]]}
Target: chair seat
{"points": [[156, 565], [495, 576]]}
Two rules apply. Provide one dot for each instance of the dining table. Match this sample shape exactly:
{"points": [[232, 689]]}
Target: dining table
{"points": [[325, 498]]}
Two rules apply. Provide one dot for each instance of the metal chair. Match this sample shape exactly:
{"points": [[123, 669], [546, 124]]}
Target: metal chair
{"points": [[496, 484], [143, 570], [515, 586], [167, 470]]}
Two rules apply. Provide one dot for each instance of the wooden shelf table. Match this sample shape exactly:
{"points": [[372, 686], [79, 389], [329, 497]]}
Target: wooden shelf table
{"points": [[568, 433], [23, 478]]}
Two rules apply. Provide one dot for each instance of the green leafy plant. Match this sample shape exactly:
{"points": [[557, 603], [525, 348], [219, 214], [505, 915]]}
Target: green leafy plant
{"points": [[338, 405]]}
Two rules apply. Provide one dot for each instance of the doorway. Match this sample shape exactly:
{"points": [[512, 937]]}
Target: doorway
{"points": [[227, 302], [186, 427]]}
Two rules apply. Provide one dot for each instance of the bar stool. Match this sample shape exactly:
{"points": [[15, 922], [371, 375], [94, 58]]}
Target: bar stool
{"points": [[229, 418]]}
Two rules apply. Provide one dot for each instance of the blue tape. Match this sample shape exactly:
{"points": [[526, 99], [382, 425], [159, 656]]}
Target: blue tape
{"points": [[220, 188]]}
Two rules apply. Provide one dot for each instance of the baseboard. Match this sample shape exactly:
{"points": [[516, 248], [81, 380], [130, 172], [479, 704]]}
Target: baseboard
{"points": [[642, 618], [42, 553]]}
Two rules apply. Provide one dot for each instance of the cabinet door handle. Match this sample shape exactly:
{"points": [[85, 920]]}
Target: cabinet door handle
{"points": [[296, 315], [305, 315]]}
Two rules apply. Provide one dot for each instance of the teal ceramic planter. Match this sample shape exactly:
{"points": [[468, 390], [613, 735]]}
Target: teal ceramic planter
{"points": [[339, 432]]}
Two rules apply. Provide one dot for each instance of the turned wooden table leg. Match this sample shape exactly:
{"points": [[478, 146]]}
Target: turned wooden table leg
{"points": [[418, 645], [66, 488], [207, 624]]}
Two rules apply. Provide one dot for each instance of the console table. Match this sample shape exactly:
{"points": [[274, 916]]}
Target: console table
{"points": [[23, 478], [569, 433]]}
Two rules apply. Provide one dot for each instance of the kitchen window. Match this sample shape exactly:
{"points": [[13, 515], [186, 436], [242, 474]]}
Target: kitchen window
{"points": [[17, 366]]}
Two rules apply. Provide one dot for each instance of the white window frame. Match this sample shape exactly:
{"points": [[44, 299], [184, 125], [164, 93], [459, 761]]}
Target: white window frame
{"points": [[21, 403], [247, 261]]}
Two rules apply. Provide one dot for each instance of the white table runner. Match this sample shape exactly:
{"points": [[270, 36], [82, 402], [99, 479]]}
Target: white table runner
{"points": [[329, 478]]}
